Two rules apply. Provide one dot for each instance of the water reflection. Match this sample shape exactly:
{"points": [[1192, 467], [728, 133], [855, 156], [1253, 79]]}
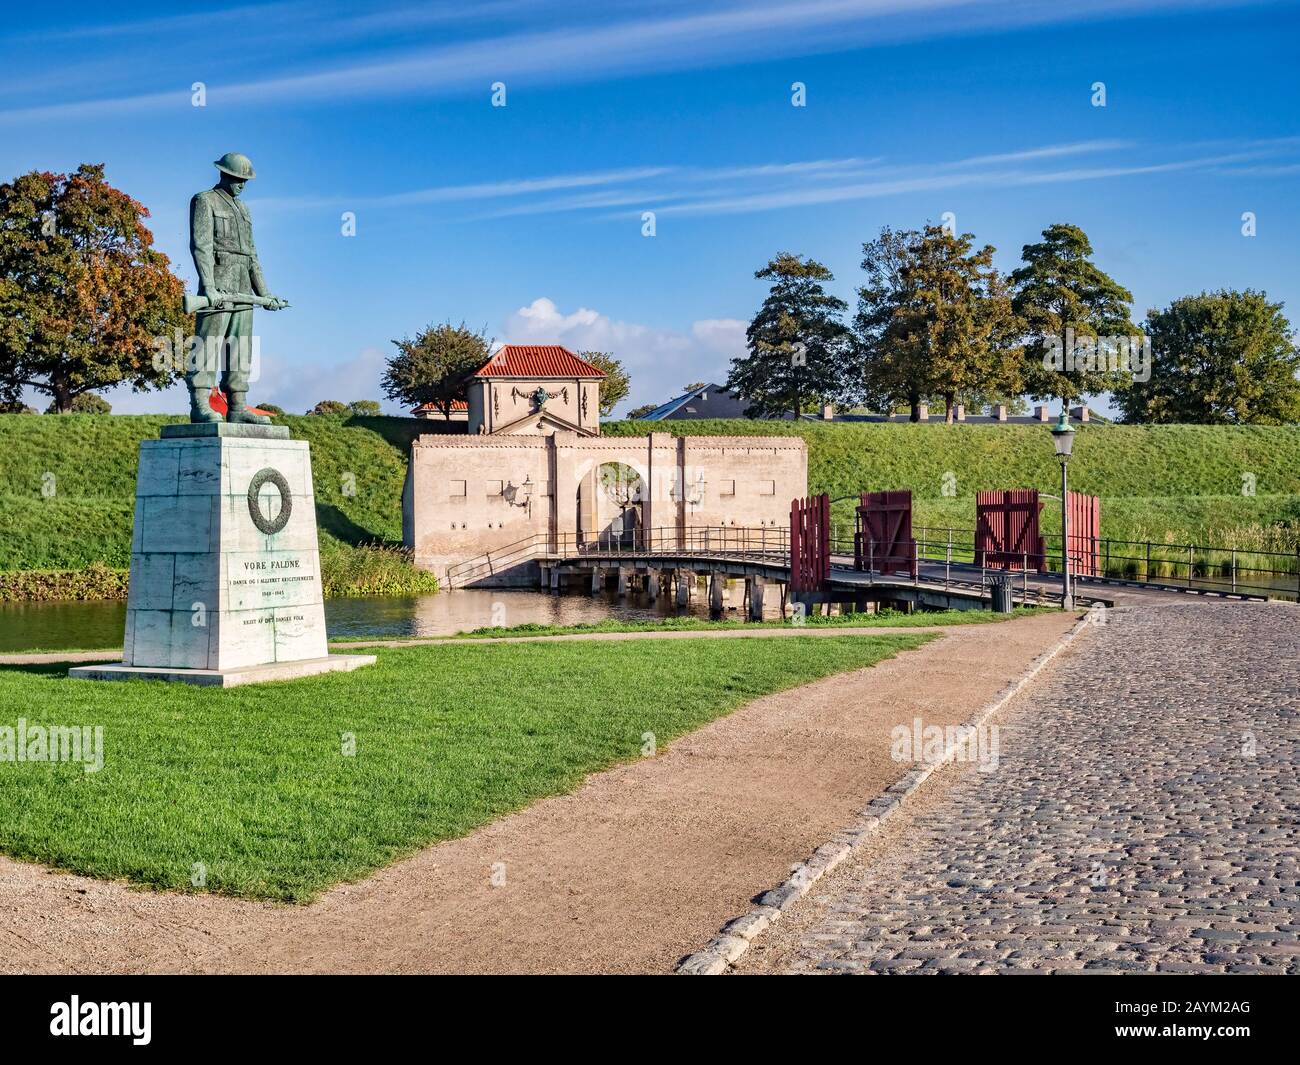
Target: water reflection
{"points": [[63, 626], [60, 626], [469, 608]]}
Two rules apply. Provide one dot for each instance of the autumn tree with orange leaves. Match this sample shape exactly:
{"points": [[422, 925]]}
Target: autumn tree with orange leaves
{"points": [[83, 291]]}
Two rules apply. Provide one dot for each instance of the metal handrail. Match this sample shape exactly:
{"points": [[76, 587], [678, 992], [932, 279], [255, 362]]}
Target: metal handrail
{"points": [[1138, 562], [714, 541], [1148, 562]]}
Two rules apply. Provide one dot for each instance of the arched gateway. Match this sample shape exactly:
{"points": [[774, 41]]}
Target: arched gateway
{"points": [[544, 480]]}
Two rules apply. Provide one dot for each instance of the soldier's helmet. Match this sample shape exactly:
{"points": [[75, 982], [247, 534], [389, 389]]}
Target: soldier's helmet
{"points": [[236, 165]]}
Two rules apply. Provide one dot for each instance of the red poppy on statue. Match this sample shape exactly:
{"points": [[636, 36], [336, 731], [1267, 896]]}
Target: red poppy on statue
{"points": [[217, 401]]}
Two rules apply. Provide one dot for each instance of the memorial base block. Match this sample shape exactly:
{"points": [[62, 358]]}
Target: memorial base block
{"points": [[225, 678], [225, 583]]}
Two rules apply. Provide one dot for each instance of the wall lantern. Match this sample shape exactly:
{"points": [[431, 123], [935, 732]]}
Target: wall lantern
{"points": [[695, 493]]}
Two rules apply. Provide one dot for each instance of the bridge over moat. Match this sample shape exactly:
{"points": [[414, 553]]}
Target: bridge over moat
{"points": [[946, 573]]}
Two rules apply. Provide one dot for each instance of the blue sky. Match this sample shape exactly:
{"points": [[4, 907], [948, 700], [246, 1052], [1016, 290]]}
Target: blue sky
{"points": [[527, 218]]}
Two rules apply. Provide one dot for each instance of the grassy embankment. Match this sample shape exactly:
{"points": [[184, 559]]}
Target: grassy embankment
{"points": [[886, 619], [255, 785], [1170, 484], [67, 492]]}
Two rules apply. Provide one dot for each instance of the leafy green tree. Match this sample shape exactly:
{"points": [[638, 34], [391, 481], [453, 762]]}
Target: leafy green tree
{"points": [[84, 295], [617, 383], [329, 406], [934, 320], [800, 351], [16, 407], [271, 409], [640, 412], [1059, 288], [436, 366], [84, 403], [365, 407], [892, 373], [694, 385], [1218, 358], [956, 317]]}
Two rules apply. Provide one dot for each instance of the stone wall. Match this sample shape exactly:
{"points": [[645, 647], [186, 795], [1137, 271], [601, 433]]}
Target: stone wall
{"points": [[464, 496]]}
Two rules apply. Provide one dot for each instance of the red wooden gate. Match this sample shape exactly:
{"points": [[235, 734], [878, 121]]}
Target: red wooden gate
{"points": [[1085, 534], [1006, 529], [810, 543], [883, 537]]}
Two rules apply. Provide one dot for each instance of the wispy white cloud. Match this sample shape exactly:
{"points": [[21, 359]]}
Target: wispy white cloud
{"points": [[581, 45], [254, 15], [477, 191], [620, 193], [929, 178]]}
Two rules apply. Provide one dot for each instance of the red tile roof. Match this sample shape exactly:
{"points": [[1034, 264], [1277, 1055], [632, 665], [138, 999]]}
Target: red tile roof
{"points": [[537, 360], [456, 404]]}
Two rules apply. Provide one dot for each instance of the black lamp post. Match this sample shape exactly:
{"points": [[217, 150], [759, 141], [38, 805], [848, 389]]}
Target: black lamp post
{"points": [[1063, 438]]}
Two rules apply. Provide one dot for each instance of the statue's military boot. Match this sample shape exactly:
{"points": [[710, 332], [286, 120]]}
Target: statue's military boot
{"points": [[200, 409], [240, 413]]}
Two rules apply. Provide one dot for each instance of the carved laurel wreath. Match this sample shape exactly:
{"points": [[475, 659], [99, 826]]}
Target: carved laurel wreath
{"points": [[269, 526], [516, 395]]}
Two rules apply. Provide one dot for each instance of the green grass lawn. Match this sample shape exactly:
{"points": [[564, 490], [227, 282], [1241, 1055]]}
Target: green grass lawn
{"points": [[253, 784]]}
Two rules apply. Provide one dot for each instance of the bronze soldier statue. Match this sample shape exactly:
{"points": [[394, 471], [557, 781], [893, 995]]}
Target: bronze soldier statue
{"points": [[230, 285]]}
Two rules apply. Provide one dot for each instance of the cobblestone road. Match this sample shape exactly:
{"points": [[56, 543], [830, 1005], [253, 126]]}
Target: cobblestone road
{"points": [[1143, 818]]}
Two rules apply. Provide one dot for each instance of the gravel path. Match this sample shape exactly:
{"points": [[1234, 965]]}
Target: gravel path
{"points": [[1143, 817]]}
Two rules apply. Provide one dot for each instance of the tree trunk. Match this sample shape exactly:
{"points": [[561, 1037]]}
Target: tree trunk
{"points": [[914, 401], [949, 414], [62, 394]]}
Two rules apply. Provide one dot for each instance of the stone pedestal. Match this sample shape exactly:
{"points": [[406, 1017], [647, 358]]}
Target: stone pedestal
{"points": [[225, 583]]}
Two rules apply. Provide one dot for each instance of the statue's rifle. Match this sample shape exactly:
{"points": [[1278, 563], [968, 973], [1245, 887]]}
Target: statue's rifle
{"points": [[237, 301]]}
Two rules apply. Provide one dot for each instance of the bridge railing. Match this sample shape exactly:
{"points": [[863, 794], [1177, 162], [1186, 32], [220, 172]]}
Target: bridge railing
{"points": [[1198, 567], [492, 562], [732, 541], [768, 543]]}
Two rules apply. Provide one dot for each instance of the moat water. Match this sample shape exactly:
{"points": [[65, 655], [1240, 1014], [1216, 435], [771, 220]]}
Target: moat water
{"points": [[70, 625]]}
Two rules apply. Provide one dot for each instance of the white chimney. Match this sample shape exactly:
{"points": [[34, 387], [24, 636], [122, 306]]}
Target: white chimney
{"points": [[961, 412], [1080, 414], [1000, 411], [828, 412], [1042, 413], [923, 411]]}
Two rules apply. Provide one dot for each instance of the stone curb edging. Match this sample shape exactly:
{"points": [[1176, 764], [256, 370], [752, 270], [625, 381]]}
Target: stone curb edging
{"points": [[736, 935]]}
